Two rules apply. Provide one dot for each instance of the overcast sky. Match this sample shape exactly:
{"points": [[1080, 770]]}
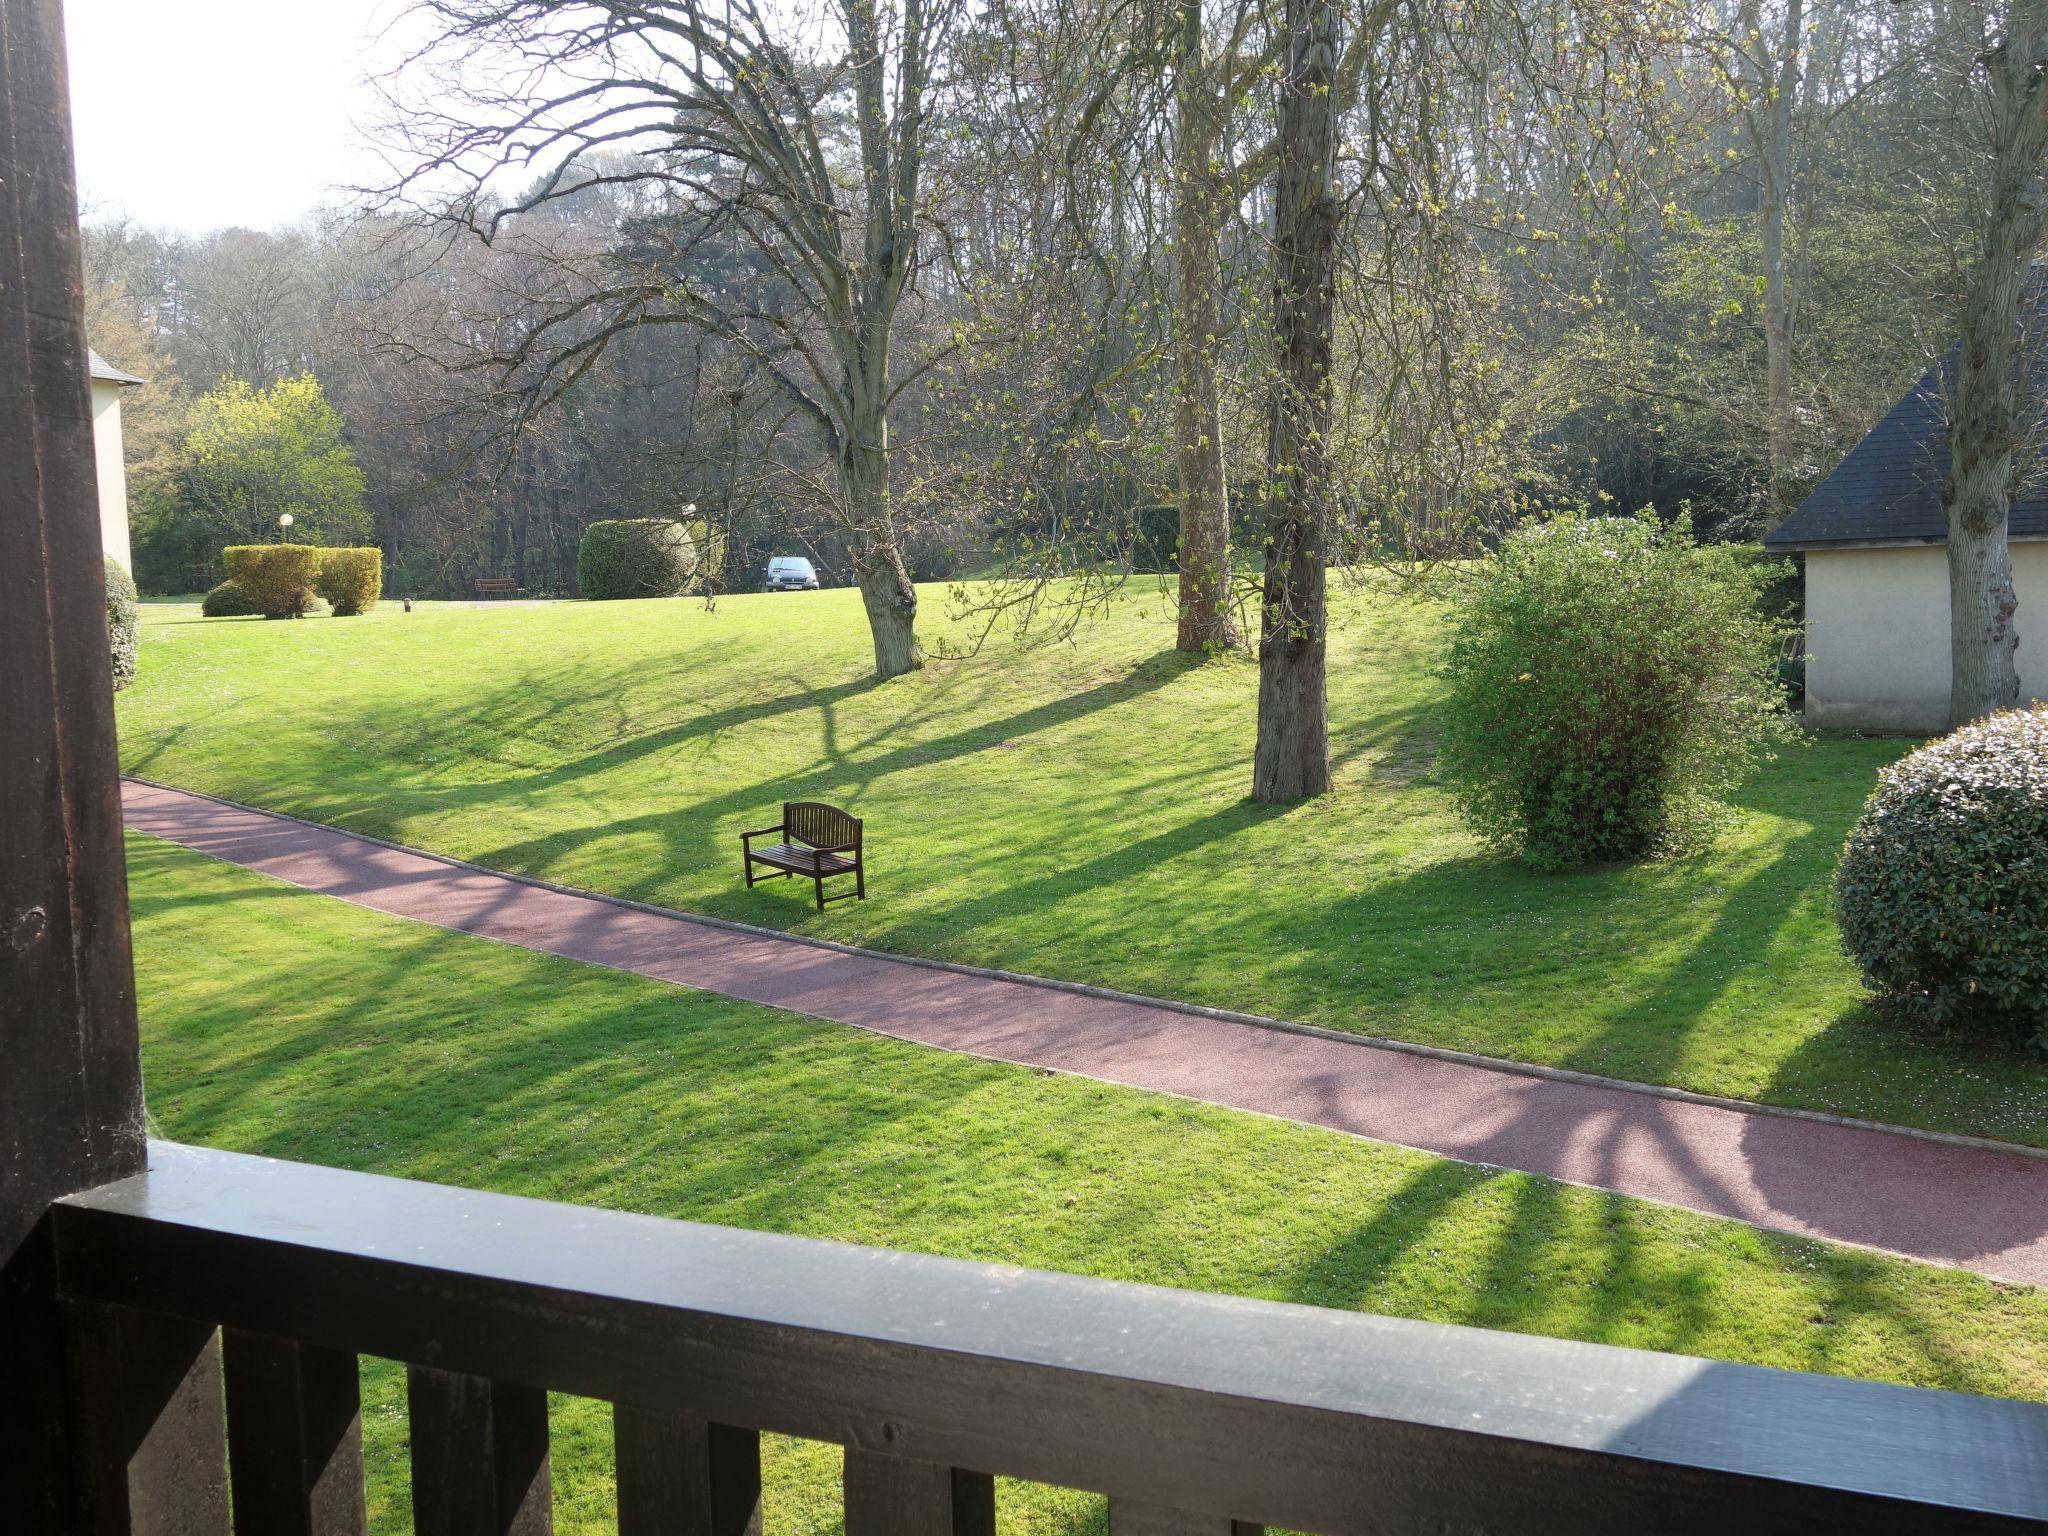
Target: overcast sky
{"points": [[203, 113]]}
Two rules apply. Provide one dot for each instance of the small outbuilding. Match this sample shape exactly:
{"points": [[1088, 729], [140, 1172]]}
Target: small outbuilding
{"points": [[1873, 538], [109, 458]]}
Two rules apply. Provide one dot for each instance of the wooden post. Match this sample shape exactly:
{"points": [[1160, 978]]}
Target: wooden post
{"points": [[71, 1091], [295, 1432], [680, 1475], [479, 1456], [901, 1496]]}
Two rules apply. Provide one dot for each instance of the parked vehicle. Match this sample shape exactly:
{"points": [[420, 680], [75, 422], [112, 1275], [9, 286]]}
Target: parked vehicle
{"points": [[792, 573]]}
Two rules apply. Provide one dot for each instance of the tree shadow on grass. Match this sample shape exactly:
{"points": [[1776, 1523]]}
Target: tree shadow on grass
{"points": [[842, 774], [1870, 1062]]}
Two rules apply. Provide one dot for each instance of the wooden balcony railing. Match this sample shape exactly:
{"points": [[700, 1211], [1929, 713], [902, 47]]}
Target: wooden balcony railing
{"points": [[1193, 1412]]}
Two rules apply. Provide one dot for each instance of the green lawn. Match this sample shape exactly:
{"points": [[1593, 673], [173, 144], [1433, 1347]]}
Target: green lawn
{"points": [[1077, 811], [288, 1024]]}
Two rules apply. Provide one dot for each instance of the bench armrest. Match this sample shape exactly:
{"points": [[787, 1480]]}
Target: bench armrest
{"points": [[760, 832]]}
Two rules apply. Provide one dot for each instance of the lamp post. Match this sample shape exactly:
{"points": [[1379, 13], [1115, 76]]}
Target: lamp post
{"points": [[284, 526]]}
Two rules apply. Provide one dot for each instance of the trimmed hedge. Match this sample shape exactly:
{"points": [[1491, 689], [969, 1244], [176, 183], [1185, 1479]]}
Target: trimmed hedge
{"points": [[1608, 679], [351, 579], [1942, 892], [228, 601], [635, 557], [278, 578], [121, 623]]}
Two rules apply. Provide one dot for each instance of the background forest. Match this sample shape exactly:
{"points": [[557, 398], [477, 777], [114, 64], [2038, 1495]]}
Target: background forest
{"points": [[1669, 254]]}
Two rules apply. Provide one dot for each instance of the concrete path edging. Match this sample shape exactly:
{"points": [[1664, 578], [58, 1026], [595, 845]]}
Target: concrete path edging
{"points": [[1960, 1201]]}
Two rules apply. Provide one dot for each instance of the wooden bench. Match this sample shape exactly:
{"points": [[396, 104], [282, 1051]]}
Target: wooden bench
{"points": [[817, 841], [498, 586]]}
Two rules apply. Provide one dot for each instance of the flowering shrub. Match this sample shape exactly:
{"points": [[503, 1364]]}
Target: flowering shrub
{"points": [[1942, 891]]}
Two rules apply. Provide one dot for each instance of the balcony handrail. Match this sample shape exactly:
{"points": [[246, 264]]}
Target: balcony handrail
{"points": [[1230, 1407]]}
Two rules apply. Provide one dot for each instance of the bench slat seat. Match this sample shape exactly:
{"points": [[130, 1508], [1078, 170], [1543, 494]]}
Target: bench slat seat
{"points": [[799, 860], [817, 841]]}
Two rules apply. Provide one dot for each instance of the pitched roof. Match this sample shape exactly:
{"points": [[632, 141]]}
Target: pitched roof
{"points": [[102, 369], [1888, 490]]}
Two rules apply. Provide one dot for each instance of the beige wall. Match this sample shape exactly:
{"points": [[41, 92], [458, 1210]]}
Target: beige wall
{"points": [[113, 472], [1877, 656]]}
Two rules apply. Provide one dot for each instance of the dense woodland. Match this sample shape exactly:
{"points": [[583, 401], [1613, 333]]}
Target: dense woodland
{"points": [[947, 287]]}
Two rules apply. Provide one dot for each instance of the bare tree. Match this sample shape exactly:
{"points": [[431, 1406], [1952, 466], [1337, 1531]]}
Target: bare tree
{"points": [[800, 139], [1994, 374]]}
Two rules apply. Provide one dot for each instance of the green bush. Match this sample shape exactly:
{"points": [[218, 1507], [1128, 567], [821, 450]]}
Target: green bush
{"points": [[1608, 679], [351, 579], [278, 578], [121, 623], [1942, 891], [635, 557], [228, 601]]}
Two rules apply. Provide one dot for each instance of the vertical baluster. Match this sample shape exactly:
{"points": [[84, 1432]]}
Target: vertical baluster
{"points": [[295, 1438], [1130, 1517], [680, 1475], [479, 1456], [900, 1496], [152, 1444]]}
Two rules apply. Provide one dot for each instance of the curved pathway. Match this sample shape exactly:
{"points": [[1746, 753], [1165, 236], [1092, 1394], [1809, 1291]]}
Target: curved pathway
{"points": [[1977, 1207]]}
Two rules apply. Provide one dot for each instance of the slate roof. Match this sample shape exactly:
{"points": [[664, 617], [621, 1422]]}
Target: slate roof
{"points": [[1888, 490], [102, 369]]}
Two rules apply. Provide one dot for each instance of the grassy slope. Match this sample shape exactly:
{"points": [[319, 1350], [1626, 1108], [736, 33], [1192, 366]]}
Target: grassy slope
{"points": [[401, 1049], [1078, 811]]}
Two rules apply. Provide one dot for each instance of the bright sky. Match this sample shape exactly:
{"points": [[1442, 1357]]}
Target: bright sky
{"points": [[215, 112]]}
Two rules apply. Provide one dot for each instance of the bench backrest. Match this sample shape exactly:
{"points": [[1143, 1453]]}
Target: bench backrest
{"points": [[496, 584], [820, 825]]}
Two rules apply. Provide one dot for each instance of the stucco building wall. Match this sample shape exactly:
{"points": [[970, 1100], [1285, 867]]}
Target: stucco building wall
{"points": [[1877, 648], [112, 472]]}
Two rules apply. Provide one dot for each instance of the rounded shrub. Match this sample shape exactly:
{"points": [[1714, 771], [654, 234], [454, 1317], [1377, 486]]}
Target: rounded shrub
{"points": [[1942, 891], [1608, 678], [122, 620], [351, 579], [278, 578], [228, 601], [635, 557]]}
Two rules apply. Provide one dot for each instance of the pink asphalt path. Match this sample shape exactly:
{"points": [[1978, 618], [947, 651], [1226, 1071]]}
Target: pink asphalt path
{"points": [[1974, 1207]]}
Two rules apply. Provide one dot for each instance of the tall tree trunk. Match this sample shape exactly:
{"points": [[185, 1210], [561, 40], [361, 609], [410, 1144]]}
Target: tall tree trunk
{"points": [[1293, 754], [1995, 368], [885, 586], [1777, 191], [1198, 416]]}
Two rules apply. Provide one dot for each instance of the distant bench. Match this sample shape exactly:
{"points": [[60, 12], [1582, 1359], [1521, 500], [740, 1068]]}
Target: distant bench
{"points": [[498, 586], [816, 841]]}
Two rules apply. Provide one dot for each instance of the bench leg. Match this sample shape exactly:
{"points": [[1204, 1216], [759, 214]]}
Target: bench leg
{"points": [[819, 882]]}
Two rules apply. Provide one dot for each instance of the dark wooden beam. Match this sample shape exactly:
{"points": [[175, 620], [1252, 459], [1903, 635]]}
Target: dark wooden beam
{"points": [[70, 1087], [1218, 1406], [1127, 1517], [148, 1434], [679, 1475], [900, 1496], [295, 1438], [480, 1463]]}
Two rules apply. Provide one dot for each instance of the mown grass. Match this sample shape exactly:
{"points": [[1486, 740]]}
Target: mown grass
{"points": [[292, 1025], [1080, 811]]}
